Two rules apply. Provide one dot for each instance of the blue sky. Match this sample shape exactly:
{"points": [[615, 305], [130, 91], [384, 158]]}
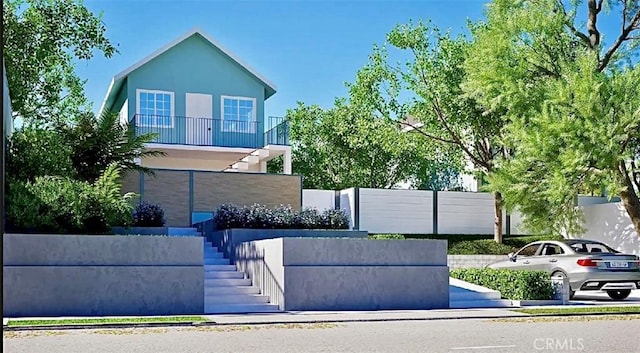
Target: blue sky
{"points": [[307, 48]]}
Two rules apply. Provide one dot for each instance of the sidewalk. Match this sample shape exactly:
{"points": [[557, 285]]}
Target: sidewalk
{"points": [[309, 317]]}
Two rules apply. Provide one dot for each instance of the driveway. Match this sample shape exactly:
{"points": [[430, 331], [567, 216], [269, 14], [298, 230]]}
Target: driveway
{"points": [[601, 298]]}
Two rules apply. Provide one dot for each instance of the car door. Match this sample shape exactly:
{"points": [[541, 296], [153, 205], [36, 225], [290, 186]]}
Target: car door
{"points": [[523, 258], [547, 257]]}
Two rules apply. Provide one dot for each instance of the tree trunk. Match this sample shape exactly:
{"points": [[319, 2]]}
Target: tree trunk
{"points": [[497, 226], [630, 199]]}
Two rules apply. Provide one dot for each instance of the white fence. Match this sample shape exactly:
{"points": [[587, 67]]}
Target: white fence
{"points": [[610, 224], [448, 212]]}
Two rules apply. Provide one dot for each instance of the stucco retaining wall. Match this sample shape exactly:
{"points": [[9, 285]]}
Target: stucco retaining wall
{"points": [[472, 261], [350, 274], [77, 275], [228, 239]]}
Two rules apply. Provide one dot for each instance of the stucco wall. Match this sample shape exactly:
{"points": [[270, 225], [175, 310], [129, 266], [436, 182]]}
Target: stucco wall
{"points": [[353, 274], [610, 224], [66, 275], [472, 261]]}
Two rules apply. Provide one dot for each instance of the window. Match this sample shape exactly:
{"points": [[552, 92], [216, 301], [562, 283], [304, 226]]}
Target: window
{"points": [[238, 114], [529, 250], [552, 249], [155, 108]]}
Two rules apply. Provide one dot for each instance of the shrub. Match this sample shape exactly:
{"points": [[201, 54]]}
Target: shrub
{"points": [[386, 236], [62, 205], [281, 217], [483, 246], [512, 284], [148, 215]]}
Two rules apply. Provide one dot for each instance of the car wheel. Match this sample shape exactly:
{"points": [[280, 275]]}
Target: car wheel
{"points": [[619, 294], [563, 275]]}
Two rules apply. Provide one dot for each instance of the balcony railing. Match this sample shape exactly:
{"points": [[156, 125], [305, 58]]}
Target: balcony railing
{"points": [[179, 130]]}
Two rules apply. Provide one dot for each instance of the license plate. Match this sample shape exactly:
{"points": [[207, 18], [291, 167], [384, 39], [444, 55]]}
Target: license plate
{"points": [[618, 264]]}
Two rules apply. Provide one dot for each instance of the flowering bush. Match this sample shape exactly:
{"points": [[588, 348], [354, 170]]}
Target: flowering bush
{"points": [[281, 217], [148, 215]]}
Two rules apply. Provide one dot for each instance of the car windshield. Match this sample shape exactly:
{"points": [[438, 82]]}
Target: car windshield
{"points": [[591, 247]]}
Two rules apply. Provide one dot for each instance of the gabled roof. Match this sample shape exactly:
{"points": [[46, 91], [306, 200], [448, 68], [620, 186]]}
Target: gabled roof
{"points": [[118, 80]]}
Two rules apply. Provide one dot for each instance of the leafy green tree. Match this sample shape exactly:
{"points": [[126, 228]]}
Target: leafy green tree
{"points": [[425, 92], [347, 146], [572, 102], [97, 143], [41, 40]]}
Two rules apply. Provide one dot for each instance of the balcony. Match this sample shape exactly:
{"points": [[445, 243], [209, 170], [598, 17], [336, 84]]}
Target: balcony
{"points": [[212, 132]]}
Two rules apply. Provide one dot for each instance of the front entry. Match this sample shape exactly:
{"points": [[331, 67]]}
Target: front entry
{"points": [[199, 111]]}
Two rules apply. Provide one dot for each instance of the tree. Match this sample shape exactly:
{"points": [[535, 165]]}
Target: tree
{"points": [[97, 143], [41, 40], [346, 146], [572, 101], [430, 80]]}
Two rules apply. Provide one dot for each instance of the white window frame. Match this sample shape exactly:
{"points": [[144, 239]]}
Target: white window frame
{"points": [[173, 108], [251, 129]]}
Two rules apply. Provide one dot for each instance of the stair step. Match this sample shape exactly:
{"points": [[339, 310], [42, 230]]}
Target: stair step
{"points": [[223, 274], [177, 231], [469, 304], [231, 290], [226, 282], [216, 261], [209, 247], [220, 268], [240, 308], [213, 255], [235, 299]]}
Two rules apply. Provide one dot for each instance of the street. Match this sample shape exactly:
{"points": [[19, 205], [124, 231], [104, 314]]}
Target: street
{"points": [[577, 334]]}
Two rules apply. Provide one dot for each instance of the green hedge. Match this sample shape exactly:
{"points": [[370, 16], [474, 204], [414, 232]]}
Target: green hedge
{"points": [[512, 284], [483, 244]]}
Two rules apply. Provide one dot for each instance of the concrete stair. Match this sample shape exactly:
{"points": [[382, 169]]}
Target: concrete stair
{"points": [[464, 295], [183, 232], [226, 290]]}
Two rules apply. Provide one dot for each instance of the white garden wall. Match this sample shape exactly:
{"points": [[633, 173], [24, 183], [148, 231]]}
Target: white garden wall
{"points": [[320, 199], [396, 211], [610, 224]]}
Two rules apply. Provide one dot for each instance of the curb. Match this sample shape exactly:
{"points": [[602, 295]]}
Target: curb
{"points": [[283, 322]]}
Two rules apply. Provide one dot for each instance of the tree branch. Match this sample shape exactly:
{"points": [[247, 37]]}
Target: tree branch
{"points": [[624, 35]]}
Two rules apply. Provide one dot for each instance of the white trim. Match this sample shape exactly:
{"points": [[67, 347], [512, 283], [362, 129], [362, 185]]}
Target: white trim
{"points": [[200, 148], [173, 107], [178, 40], [251, 129]]}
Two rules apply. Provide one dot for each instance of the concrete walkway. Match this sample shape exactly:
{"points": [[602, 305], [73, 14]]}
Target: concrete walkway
{"points": [[342, 316]]}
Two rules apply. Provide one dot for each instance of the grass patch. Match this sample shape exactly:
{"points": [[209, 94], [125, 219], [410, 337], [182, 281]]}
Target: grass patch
{"points": [[581, 310], [99, 321]]}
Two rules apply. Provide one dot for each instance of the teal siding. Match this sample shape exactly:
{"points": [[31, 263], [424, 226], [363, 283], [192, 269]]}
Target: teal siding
{"points": [[195, 66]]}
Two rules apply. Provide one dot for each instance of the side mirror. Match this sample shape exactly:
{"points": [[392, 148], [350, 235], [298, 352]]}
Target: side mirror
{"points": [[512, 257]]}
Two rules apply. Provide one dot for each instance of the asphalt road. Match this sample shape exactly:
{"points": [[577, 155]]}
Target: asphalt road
{"points": [[601, 335]]}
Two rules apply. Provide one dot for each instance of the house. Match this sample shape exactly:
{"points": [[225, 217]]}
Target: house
{"points": [[205, 105]]}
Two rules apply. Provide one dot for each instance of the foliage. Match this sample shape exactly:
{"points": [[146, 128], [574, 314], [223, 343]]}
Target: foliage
{"points": [[347, 146], [99, 142], [512, 284], [424, 93], [148, 215], [385, 236], [37, 152], [468, 244], [281, 217], [41, 40], [572, 103], [64, 205]]}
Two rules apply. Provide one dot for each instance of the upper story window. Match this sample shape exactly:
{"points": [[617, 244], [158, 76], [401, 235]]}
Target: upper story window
{"points": [[238, 114], [155, 108]]}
